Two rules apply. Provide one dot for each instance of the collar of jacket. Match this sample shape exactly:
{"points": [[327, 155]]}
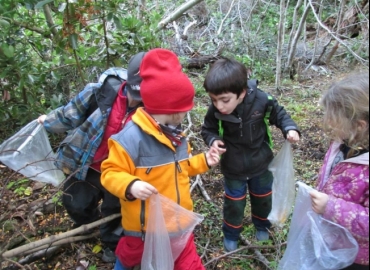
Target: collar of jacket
{"points": [[147, 123]]}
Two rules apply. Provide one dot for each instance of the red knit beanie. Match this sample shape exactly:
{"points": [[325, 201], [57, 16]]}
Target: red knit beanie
{"points": [[165, 89]]}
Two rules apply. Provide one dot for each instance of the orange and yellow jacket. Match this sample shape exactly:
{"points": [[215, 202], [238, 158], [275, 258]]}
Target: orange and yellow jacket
{"points": [[141, 152]]}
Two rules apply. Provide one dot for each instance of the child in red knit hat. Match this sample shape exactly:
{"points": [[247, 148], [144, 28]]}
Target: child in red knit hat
{"points": [[151, 155]]}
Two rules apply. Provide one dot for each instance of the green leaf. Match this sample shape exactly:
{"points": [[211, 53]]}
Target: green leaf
{"points": [[130, 41], [8, 50], [110, 16], [73, 41], [4, 23], [31, 78], [28, 191], [62, 7], [111, 51], [10, 185], [97, 249], [117, 22], [142, 43], [43, 3]]}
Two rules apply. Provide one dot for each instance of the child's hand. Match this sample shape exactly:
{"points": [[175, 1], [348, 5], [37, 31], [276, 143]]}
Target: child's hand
{"points": [[219, 146], [213, 157], [293, 136], [319, 201], [142, 190], [41, 119]]}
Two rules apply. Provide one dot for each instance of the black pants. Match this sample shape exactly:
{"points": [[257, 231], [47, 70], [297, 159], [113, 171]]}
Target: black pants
{"points": [[81, 200], [357, 267]]}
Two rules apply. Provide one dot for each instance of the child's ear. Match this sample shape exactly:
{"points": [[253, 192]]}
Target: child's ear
{"points": [[242, 95], [362, 125]]}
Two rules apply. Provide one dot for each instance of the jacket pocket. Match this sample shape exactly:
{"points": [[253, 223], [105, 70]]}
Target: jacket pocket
{"points": [[69, 155], [256, 131]]}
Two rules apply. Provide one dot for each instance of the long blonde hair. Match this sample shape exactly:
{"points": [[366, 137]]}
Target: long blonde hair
{"points": [[346, 103]]}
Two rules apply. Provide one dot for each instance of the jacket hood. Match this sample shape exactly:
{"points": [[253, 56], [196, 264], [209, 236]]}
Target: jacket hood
{"points": [[361, 159]]}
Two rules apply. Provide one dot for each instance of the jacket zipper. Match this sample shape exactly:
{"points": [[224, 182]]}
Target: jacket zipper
{"points": [[142, 220], [89, 151], [125, 119], [177, 169], [241, 126]]}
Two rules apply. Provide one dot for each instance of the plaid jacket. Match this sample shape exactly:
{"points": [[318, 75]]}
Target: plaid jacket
{"points": [[85, 130]]}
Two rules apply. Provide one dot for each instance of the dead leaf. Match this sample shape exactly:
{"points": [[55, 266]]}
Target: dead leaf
{"points": [[38, 185], [57, 265], [83, 265]]}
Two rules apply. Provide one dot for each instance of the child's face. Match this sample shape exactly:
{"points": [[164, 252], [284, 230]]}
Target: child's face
{"points": [[227, 102], [176, 119]]}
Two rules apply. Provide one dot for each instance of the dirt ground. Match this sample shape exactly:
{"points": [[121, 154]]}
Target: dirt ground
{"points": [[30, 210]]}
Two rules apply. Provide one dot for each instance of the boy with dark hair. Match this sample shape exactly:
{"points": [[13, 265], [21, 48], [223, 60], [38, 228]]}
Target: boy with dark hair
{"points": [[151, 155], [236, 124], [90, 118]]}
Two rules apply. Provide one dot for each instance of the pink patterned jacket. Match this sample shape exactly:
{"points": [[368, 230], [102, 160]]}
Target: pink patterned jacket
{"points": [[348, 189]]}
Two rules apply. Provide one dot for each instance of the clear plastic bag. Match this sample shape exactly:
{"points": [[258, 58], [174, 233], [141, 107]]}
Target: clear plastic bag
{"points": [[168, 231], [314, 242], [283, 187], [29, 153]]}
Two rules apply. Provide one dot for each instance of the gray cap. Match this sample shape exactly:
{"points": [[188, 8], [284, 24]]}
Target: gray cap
{"points": [[133, 76]]}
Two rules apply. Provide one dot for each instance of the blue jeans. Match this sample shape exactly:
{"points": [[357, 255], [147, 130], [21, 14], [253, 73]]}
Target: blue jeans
{"points": [[118, 266]]}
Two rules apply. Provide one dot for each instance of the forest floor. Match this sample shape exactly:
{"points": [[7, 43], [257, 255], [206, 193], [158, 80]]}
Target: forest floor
{"points": [[30, 210]]}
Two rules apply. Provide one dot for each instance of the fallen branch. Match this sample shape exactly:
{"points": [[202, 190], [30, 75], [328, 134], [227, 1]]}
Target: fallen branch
{"points": [[199, 182], [237, 251], [46, 253], [62, 242], [49, 240], [194, 185], [257, 253], [190, 122], [19, 265]]}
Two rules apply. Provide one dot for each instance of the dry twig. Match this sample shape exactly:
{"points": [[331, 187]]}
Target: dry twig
{"points": [[54, 238]]}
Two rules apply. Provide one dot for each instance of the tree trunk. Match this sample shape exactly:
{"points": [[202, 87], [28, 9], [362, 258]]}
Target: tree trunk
{"points": [[280, 43], [317, 37], [294, 23], [296, 37]]}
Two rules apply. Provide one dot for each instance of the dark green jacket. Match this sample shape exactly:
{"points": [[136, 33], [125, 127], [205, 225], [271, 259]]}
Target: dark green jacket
{"points": [[245, 135]]}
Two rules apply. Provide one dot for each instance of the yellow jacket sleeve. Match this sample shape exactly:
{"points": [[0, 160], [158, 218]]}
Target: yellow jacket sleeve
{"points": [[117, 170], [198, 165]]}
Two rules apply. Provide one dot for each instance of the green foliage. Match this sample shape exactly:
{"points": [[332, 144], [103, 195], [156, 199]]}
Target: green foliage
{"points": [[41, 68], [20, 187], [56, 199]]}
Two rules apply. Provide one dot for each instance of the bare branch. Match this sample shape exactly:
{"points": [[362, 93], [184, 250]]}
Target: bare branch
{"points": [[360, 59], [177, 13], [224, 19]]}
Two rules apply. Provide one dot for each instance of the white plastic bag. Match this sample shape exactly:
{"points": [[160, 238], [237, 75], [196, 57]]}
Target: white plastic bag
{"points": [[29, 153], [168, 231], [283, 187], [314, 242]]}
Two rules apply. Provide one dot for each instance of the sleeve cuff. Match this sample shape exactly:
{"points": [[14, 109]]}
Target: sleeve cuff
{"points": [[128, 195]]}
